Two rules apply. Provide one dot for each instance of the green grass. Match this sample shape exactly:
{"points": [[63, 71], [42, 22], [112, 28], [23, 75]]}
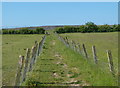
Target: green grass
{"points": [[102, 41], [12, 47], [84, 71]]}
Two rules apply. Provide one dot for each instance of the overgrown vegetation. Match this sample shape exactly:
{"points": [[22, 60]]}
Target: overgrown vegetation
{"points": [[88, 27], [24, 31]]}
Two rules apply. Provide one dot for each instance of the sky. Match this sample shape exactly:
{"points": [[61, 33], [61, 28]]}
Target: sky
{"points": [[25, 14]]}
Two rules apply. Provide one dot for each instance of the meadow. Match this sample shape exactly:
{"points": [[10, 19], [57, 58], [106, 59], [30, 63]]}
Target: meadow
{"points": [[59, 65], [102, 41], [12, 47]]}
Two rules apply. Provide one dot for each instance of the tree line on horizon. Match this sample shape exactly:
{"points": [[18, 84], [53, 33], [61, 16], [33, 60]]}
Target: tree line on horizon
{"points": [[24, 31], [87, 28]]}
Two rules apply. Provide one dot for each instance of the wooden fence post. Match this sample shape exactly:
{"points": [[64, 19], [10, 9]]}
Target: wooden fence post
{"points": [[32, 58], [73, 45], [111, 66], [19, 71], [36, 52], [35, 42], [39, 47], [67, 41], [26, 64], [84, 51], [79, 49], [94, 54]]}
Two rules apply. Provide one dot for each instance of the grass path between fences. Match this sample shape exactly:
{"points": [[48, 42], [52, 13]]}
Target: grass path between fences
{"points": [[59, 65]]}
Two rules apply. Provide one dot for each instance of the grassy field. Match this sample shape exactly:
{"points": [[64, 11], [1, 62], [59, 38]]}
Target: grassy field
{"points": [[102, 41], [12, 47], [59, 65]]}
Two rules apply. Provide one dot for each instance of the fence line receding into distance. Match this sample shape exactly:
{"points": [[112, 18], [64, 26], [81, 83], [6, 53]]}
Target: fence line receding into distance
{"points": [[81, 49], [26, 63]]}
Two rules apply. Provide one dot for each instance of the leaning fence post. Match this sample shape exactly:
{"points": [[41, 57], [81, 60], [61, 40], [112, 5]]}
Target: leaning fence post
{"points": [[67, 41], [73, 45], [39, 47], [36, 52], [111, 66], [32, 58], [84, 51], [94, 54], [26, 64], [19, 71]]}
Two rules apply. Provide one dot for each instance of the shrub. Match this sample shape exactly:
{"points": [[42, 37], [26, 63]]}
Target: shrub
{"points": [[87, 28], [24, 31]]}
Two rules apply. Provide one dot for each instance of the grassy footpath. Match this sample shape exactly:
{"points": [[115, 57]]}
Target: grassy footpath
{"points": [[102, 41], [58, 65], [12, 47]]}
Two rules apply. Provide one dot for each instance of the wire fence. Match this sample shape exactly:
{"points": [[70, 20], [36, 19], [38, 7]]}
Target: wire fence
{"points": [[26, 63], [82, 50]]}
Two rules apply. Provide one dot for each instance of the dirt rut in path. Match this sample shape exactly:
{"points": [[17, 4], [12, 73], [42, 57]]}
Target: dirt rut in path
{"points": [[71, 80]]}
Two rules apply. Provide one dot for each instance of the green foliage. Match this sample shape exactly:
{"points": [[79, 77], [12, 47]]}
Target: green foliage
{"points": [[105, 28], [91, 27], [24, 31], [0, 31], [82, 29], [40, 30], [87, 28]]}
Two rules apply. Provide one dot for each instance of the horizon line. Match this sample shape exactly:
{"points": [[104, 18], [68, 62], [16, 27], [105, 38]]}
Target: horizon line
{"points": [[10, 27]]}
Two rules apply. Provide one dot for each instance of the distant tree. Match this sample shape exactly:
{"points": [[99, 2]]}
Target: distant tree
{"points": [[118, 27], [82, 29], [60, 30], [40, 31], [68, 29], [4, 31], [91, 27], [104, 28], [24, 30]]}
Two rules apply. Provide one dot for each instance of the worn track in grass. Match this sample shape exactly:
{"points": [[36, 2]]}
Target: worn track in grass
{"points": [[59, 65], [51, 69]]}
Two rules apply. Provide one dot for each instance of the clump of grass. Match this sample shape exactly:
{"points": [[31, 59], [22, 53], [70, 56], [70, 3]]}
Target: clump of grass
{"points": [[75, 75]]}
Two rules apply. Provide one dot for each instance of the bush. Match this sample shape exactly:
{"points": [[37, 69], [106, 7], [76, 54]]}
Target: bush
{"points": [[40, 31], [104, 28], [91, 27], [87, 28], [24, 31]]}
